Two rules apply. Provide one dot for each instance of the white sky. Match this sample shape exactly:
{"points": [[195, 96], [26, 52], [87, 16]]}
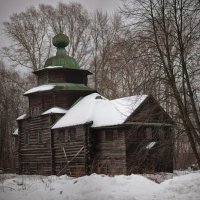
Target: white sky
{"points": [[8, 7]]}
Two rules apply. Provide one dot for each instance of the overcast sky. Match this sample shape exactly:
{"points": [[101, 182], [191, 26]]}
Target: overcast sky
{"points": [[8, 7]]}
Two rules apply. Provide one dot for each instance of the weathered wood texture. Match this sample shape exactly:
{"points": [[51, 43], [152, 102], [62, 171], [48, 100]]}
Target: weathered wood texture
{"points": [[69, 76], [62, 76], [43, 78], [160, 156], [110, 152], [150, 111], [35, 154], [82, 150], [39, 103], [69, 151], [141, 157]]}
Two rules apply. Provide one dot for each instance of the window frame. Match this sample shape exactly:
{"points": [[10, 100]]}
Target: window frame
{"points": [[109, 135], [71, 133], [40, 138]]}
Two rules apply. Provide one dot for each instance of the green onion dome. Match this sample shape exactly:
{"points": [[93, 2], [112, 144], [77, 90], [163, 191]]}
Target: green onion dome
{"points": [[60, 40], [61, 59]]}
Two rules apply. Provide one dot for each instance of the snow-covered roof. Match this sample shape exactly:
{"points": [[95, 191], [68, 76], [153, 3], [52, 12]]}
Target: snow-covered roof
{"points": [[15, 132], [54, 110], [22, 117], [40, 88], [100, 111]]}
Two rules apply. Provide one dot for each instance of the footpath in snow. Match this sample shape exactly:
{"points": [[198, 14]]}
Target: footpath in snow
{"points": [[99, 187]]}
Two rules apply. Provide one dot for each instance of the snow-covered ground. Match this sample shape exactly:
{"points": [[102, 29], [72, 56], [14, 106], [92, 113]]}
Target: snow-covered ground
{"points": [[100, 187]]}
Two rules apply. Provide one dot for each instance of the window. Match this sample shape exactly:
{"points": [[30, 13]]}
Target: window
{"points": [[39, 137], [71, 134], [62, 135], [109, 135], [115, 136], [26, 138], [35, 111]]}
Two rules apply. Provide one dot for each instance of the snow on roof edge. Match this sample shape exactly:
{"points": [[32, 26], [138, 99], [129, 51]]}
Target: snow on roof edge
{"points": [[55, 110], [40, 88], [89, 122], [54, 67], [15, 132], [22, 117]]}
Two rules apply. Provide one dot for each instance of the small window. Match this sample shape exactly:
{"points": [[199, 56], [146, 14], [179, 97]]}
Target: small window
{"points": [[109, 135], [71, 134], [62, 135], [39, 137], [35, 111], [115, 136], [26, 138]]}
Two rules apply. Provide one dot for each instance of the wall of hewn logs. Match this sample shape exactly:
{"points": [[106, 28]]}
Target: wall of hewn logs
{"points": [[72, 77], [57, 76], [144, 158], [110, 151], [35, 155], [69, 151]]}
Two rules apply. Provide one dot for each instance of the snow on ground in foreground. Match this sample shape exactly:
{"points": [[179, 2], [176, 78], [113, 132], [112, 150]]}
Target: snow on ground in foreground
{"points": [[98, 187]]}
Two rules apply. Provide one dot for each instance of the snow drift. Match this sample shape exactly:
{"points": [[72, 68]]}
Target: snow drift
{"points": [[98, 187]]}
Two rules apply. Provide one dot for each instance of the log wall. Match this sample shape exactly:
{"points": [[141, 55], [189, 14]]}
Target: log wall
{"points": [[65, 99], [43, 78], [58, 76], [141, 159], [35, 146], [66, 146], [110, 152], [150, 111]]}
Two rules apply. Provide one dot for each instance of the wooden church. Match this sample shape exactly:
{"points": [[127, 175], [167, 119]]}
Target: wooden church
{"points": [[71, 129]]}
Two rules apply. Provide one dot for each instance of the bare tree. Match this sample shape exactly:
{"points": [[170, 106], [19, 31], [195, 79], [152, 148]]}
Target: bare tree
{"points": [[30, 44], [73, 20], [31, 32], [171, 28], [105, 31], [12, 104]]}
